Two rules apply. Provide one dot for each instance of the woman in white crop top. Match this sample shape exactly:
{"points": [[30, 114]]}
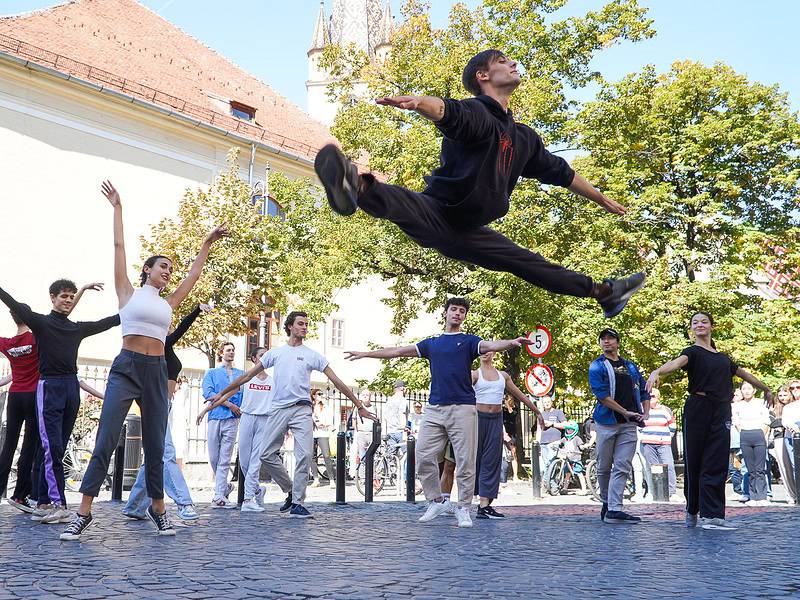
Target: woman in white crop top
{"points": [[490, 387], [139, 372]]}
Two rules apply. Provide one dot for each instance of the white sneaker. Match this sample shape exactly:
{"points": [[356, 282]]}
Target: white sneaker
{"points": [[434, 510], [462, 514], [251, 506], [709, 523], [59, 514], [451, 508], [260, 495], [223, 503]]}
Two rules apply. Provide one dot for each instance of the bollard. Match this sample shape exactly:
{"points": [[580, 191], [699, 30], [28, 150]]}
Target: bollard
{"points": [[411, 469], [536, 469], [239, 482], [341, 457], [369, 462], [659, 477], [796, 454], [119, 466]]}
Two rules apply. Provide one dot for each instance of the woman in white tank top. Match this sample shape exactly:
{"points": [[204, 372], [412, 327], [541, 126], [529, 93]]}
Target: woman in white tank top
{"points": [[139, 372], [490, 387]]}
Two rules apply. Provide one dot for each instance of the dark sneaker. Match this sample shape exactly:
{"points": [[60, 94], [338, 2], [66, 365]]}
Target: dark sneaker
{"points": [[299, 511], [339, 177], [161, 522], [27, 505], [76, 528], [603, 511], [617, 516], [487, 512], [287, 503], [621, 292]]}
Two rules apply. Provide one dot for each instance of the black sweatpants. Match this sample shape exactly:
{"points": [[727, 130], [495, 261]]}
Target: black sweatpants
{"points": [[754, 451], [423, 219], [708, 439], [20, 408], [57, 403], [490, 454], [142, 378]]}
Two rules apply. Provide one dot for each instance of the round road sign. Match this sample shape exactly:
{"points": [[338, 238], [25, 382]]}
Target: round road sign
{"points": [[541, 340], [539, 380]]}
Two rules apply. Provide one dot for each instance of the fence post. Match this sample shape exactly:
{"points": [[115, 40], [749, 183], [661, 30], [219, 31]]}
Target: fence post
{"points": [[341, 457], [239, 482], [659, 478], [119, 466], [411, 469], [796, 454], [536, 469], [369, 464]]}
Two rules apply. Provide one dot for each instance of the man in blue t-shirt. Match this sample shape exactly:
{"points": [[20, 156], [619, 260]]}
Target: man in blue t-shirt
{"points": [[451, 409]]}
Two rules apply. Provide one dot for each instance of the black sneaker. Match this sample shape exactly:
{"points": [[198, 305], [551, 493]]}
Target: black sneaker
{"points": [[487, 512], [76, 528], [339, 177], [287, 503], [299, 511], [603, 511], [618, 516], [621, 292], [161, 522]]}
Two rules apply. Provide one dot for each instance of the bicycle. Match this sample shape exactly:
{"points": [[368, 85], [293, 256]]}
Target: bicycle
{"points": [[560, 472], [390, 467], [594, 485]]}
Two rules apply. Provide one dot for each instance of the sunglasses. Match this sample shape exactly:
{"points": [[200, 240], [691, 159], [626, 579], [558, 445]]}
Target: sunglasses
{"points": [[794, 387]]}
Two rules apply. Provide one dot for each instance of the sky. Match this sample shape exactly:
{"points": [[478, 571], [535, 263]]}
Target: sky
{"points": [[270, 38]]}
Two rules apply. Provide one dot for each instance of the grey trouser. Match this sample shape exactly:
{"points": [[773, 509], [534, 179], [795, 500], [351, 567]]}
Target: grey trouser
{"points": [[459, 424], [661, 454], [252, 430], [297, 419], [142, 378], [616, 445], [221, 440]]}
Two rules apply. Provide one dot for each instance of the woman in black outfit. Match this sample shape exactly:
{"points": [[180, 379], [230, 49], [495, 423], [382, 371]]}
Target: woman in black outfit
{"points": [[707, 422]]}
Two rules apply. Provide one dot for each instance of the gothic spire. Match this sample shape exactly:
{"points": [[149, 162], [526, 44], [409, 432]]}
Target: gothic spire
{"points": [[321, 35]]}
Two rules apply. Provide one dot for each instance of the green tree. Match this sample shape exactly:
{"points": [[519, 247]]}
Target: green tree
{"points": [[705, 160]]}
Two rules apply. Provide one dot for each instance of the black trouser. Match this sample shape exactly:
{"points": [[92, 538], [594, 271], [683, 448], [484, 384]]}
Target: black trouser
{"points": [[143, 378], [423, 219], [708, 440], [490, 454], [21, 408], [57, 402], [754, 451]]}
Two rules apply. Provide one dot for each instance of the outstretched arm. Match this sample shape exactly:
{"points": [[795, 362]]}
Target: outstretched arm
{"points": [[233, 387], [583, 188], [176, 297], [23, 311], [512, 389], [6, 380], [184, 325], [89, 389], [362, 411], [668, 367], [430, 107], [383, 353], [502, 345], [755, 382], [98, 287], [121, 282]]}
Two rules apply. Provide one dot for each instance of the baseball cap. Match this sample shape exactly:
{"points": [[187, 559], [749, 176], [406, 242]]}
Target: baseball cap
{"points": [[608, 331], [399, 384]]}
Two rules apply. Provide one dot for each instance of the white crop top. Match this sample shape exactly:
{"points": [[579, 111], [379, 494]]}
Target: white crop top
{"points": [[489, 392], [146, 313]]}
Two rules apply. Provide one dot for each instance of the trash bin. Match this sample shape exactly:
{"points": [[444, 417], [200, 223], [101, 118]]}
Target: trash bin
{"points": [[133, 450]]}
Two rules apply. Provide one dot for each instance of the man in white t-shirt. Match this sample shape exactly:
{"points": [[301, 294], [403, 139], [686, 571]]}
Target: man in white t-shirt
{"points": [[290, 408], [395, 415]]}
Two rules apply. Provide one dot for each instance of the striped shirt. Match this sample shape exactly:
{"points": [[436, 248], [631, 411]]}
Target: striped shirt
{"points": [[659, 428]]}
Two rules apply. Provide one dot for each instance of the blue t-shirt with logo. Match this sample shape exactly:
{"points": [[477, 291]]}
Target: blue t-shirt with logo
{"points": [[450, 356]]}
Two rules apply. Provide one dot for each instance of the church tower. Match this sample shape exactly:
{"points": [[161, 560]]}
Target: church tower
{"points": [[361, 22]]}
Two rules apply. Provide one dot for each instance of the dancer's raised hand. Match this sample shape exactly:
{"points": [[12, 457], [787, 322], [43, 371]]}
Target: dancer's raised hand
{"points": [[217, 233], [111, 193], [404, 102]]}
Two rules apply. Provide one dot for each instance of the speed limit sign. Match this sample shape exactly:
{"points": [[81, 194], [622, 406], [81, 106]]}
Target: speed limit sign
{"points": [[539, 380], [541, 340]]}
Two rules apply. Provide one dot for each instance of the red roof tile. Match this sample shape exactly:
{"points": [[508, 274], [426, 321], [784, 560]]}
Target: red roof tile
{"points": [[125, 46]]}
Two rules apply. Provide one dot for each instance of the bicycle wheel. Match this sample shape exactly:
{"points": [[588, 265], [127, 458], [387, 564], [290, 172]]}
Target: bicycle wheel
{"points": [[417, 482], [555, 477], [380, 474], [591, 478]]}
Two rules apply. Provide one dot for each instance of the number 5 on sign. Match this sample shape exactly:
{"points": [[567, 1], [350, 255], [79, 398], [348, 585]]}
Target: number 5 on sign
{"points": [[539, 380], [541, 340]]}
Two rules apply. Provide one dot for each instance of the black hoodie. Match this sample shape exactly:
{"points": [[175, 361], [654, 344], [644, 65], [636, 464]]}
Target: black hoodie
{"points": [[484, 153]]}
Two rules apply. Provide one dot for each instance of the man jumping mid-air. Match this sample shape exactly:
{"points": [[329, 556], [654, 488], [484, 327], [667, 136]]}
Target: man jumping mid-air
{"points": [[484, 153]]}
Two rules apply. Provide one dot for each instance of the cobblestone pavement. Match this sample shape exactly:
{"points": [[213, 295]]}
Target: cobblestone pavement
{"points": [[379, 551]]}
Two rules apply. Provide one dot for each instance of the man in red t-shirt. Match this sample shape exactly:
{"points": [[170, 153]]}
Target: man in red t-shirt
{"points": [[21, 352]]}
